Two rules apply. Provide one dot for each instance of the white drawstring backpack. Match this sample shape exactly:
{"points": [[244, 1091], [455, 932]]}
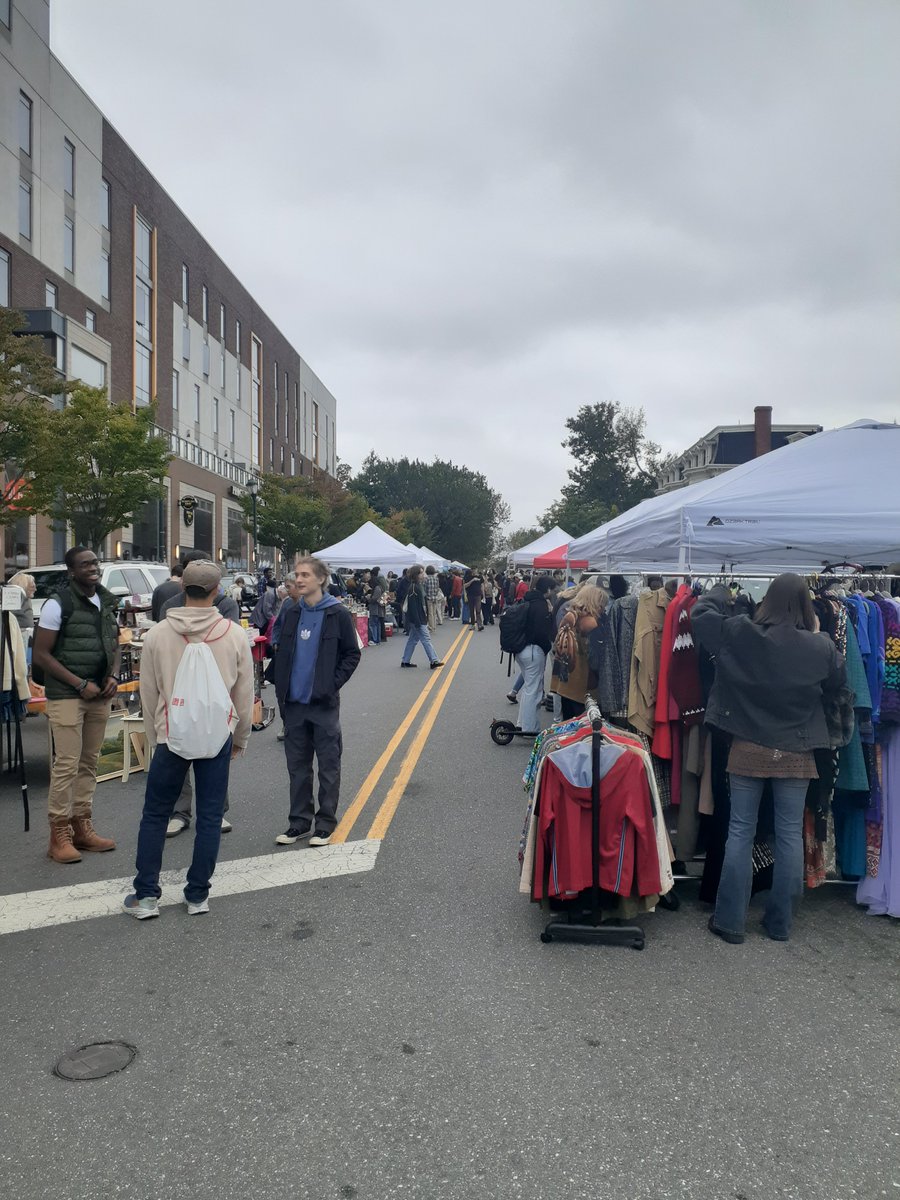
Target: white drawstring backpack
{"points": [[198, 717]]}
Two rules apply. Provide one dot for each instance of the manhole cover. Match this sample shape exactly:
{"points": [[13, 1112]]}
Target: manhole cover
{"points": [[95, 1061]]}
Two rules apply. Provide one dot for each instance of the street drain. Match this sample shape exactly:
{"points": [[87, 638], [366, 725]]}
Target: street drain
{"points": [[96, 1060]]}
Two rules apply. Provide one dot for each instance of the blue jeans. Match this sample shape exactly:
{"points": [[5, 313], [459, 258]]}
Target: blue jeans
{"points": [[531, 662], [164, 782], [737, 870], [419, 633], [374, 630]]}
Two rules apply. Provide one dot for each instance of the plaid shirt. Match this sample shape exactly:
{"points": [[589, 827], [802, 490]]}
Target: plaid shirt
{"points": [[432, 588]]}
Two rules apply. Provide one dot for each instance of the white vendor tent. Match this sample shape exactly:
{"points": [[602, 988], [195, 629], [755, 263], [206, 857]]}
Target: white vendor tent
{"points": [[428, 558], [368, 547], [525, 555], [827, 499]]}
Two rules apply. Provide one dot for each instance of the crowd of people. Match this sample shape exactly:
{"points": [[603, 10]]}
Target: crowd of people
{"points": [[774, 678]]}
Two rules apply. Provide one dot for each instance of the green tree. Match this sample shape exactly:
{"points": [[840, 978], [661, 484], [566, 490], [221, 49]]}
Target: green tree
{"points": [[290, 514], [27, 376], [521, 537], [463, 512], [616, 466], [95, 464]]}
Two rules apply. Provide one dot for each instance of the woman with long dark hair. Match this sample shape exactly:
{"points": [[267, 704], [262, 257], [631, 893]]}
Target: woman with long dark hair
{"points": [[773, 674]]}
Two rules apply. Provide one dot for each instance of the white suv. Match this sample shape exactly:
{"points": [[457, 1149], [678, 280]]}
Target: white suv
{"points": [[124, 578]]}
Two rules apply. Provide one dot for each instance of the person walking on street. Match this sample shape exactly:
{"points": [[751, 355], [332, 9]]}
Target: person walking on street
{"points": [[376, 608], [456, 591], [317, 654], [532, 658], [401, 589], [487, 606], [434, 599], [417, 622], [77, 648], [474, 592], [197, 623]]}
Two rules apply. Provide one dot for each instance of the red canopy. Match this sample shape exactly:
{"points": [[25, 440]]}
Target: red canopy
{"points": [[555, 560]]}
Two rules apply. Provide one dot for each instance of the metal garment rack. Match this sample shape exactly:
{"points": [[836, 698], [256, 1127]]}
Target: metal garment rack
{"points": [[15, 752], [590, 927]]}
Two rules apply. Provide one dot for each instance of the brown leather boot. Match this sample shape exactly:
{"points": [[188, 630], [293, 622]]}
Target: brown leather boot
{"points": [[86, 838], [61, 849]]}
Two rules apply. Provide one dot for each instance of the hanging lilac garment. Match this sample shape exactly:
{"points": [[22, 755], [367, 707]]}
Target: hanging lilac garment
{"points": [[882, 894]]}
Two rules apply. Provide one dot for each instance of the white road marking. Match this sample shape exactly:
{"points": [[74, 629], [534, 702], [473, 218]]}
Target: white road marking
{"points": [[81, 901]]}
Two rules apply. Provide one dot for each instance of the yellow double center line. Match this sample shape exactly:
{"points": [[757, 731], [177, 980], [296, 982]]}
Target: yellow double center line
{"points": [[389, 807]]}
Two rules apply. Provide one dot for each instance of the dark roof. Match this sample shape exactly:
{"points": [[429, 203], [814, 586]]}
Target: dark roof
{"points": [[734, 448]]}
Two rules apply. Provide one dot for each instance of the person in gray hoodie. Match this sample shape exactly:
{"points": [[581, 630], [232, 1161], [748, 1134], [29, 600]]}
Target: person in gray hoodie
{"points": [[163, 649]]}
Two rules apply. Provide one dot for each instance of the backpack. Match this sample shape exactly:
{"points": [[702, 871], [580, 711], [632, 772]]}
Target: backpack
{"points": [[67, 607], [514, 628], [198, 716]]}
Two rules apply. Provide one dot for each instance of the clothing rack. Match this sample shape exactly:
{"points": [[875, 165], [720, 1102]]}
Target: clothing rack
{"points": [[589, 927], [15, 752]]}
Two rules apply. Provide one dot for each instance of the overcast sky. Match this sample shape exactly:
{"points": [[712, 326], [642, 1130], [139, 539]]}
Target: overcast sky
{"points": [[473, 217]]}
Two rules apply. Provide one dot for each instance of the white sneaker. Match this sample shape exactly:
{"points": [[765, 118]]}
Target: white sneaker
{"points": [[320, 839], [226, 825], [175, 826], [195, 907], [148, 906]]}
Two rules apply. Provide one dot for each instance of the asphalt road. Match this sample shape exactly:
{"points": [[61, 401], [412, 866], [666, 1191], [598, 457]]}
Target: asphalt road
{"points": [[404, 1033]]}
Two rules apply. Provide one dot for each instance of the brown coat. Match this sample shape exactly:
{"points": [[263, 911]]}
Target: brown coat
{"points": [[648, 627]]}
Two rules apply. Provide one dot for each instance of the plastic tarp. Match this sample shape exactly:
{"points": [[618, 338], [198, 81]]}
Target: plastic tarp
{"points": [[827, 499], [525, 555], [368, 547], [556, 561]]}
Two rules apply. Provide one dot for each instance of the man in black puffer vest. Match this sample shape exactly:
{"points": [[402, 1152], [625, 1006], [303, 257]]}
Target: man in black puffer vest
{"points": [[76, 645]]}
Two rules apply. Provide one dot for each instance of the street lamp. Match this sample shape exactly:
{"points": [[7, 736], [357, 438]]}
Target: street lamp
{"points": [[253, 489]]}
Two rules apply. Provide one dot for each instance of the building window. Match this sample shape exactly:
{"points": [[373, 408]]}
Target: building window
{"points": [[87, 368], [282, 460], [216, 416], [104, 275], [4, 278], [271, 454], [286, 389], [141, 375], [51, 295], [25, 209], [69, 167], [69, 244], [25, 123], [222, 325], [204, 295], [184, 284], [237, 341], [143, 254], [142, 309], [90, 320], [186, 343], [293, 466], [296, 415], [315, 432], [174, 391], [222, 371], [104, 203], [197, 403], [231, 426], [206, 359], [277, 411]]}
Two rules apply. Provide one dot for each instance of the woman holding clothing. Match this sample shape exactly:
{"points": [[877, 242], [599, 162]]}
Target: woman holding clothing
{"points": [[774, 674]]}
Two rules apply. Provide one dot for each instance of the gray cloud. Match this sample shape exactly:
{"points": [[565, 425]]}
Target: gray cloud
{"points": [[472, 219]]}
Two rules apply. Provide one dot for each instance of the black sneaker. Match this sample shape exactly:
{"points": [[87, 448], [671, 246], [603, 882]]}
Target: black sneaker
{"points": [[437, 663], [292, 835], [512, 697], [733, 939], [403, 664]]}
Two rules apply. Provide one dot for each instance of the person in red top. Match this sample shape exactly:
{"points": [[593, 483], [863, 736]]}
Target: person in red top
{"points": [[522, 587], [456, 591]]}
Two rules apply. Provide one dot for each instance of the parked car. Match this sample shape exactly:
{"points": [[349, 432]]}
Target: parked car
{"points": [[123, 578]]}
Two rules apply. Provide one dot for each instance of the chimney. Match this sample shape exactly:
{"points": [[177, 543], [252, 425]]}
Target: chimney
{"points": [[762, 430]]}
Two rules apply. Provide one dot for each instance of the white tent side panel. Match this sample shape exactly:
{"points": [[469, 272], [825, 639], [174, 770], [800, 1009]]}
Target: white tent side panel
{"points": [[368, 547], [525, 555]]}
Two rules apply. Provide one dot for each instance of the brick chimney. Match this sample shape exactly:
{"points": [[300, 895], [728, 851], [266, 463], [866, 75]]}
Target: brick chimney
{"points": [[762, 430]]}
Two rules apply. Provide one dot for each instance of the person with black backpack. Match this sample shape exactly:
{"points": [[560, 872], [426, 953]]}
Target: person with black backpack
{"points": [[526, 630]]}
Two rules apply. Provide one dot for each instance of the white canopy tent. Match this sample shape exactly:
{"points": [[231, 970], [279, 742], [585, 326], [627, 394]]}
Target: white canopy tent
{"points": [[827, 499], [428, 558], [525, 555], [368, 547]]}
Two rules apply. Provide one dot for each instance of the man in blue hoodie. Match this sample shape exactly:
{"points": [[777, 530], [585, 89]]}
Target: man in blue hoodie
{"points": [[317, 653]]}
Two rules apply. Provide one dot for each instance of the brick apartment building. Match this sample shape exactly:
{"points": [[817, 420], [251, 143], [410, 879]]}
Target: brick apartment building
{"points": [[127, 294]]}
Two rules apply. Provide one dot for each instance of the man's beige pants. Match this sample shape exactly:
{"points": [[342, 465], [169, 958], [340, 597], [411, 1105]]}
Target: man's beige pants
{"points": [[78, 728], [435, 613]]}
